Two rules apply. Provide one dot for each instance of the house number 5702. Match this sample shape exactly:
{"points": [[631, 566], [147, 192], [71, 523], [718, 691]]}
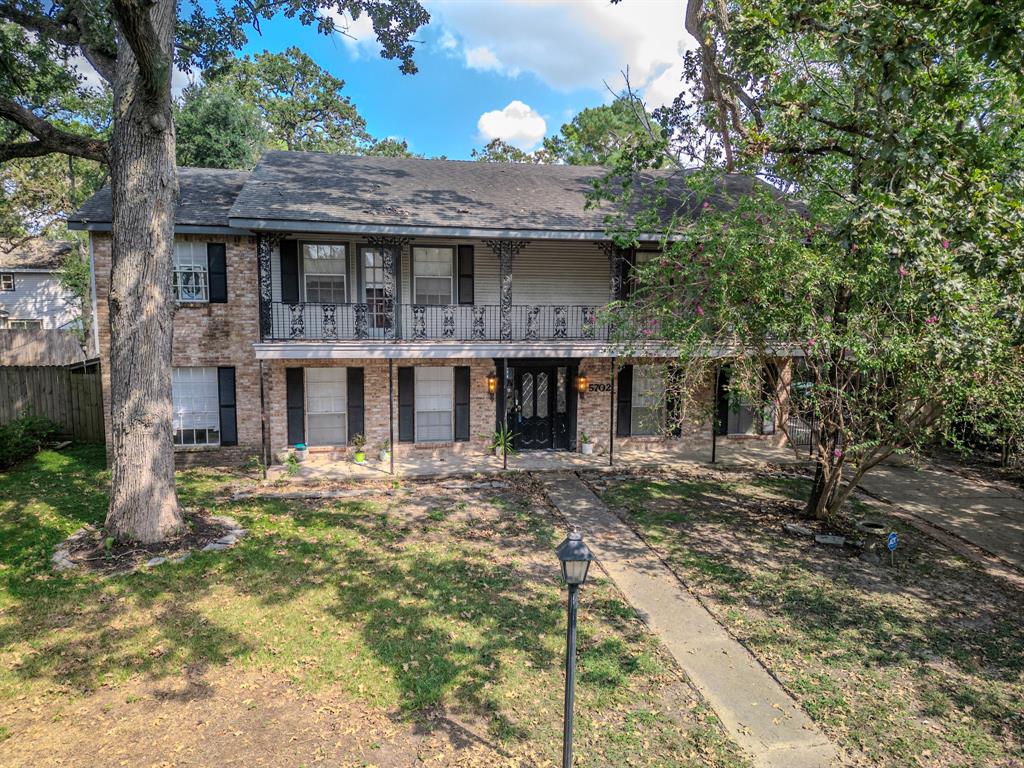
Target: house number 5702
{"points": [[599, 388]]}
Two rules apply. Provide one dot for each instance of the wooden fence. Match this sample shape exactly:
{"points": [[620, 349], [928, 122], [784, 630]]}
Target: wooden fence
{"points": [[39, 346], [71, 396]]}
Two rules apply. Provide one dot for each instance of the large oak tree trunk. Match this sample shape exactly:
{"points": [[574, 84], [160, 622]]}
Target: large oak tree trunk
{"points": [[143, 502]]}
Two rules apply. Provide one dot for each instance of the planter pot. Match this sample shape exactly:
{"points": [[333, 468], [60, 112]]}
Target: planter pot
{"points": [[360, 457], [384, 456], [586, 448]]}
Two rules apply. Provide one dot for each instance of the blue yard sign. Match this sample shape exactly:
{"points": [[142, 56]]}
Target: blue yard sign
{"points": [[892, 542]]}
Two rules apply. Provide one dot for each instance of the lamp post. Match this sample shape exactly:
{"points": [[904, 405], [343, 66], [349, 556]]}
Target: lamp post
{"points": [[575, 558]]}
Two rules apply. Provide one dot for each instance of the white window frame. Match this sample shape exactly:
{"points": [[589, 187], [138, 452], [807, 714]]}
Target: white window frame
{"points": [[196, 397], [309, 251], [6, 281], [418, 260], [325, 404], [425, 376], [647, 398], [24, 323], [191, 259]]}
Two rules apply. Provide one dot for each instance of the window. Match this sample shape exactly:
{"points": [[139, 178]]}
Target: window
{"points": [[24, 323], [191, 271], [196, 406], [432, 276], [648, 413], [7, 281], [326, 419], [374, 281], [323, 267], [434, 404]]}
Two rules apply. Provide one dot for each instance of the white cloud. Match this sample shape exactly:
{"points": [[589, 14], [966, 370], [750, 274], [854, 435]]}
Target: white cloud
{"points": [[482, 58], [447, 41], [357, 34], [518, 124], [570, 45]]}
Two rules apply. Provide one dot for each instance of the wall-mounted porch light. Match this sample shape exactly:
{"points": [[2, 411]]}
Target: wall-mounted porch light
{"points": [[581, 385], [492, 384]]}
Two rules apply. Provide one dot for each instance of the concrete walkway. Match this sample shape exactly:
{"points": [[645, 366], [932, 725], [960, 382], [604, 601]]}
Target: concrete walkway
{"points": [[757, 713], [983, 514]]}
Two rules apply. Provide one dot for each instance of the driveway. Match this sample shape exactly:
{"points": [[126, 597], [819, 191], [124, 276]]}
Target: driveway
{"points": [[983, 514]]}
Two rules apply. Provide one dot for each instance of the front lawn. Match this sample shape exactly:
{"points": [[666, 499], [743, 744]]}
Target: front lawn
{"points": [[921, 664], [421, 623]]}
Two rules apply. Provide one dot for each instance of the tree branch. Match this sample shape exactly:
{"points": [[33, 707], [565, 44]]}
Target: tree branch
{"points": [[137, 26], [66, 31], [48, 138]]}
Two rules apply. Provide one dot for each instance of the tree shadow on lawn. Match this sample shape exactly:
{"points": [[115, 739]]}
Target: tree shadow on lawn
{"points": [[955, 630], [449, 622]]}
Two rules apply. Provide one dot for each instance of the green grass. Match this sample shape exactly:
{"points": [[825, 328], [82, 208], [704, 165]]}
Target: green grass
{"points": [[918, 665], [448, 607]]}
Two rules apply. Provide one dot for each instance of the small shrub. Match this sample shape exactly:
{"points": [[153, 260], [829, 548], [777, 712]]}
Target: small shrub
{"points": [[23, 437]]}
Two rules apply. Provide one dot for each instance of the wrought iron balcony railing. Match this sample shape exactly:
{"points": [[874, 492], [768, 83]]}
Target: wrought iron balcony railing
{"points": [[422, 322]]}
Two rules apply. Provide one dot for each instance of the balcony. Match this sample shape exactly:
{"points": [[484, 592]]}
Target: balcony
{"points": [[420, 322]]}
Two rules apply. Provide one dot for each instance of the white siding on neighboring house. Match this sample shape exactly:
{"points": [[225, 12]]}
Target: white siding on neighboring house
{"points": [[38, 296]]}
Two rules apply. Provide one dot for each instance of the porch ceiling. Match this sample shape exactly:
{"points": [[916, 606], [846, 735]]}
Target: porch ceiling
{"points": [[445, 350]]}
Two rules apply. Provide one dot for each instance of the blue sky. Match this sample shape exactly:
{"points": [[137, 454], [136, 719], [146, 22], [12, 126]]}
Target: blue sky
{"points": [[514, 69]]}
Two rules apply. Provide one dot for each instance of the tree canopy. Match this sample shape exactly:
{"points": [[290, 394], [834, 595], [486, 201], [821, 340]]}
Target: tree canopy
{"points": [[218, 128], [892, 266]]}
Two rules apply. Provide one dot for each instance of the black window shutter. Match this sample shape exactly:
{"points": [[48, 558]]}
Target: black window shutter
{"points": [[626, 287], [722, 400], [228, 414], [406, 404], [624, 409], [355, 402], [216, 257], [295, 382], [671, 402], [462, 402], [290, 271], [466, 274]]}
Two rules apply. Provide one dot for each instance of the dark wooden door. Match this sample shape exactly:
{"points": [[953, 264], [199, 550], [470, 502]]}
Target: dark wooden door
{"points": [[533, 408]]}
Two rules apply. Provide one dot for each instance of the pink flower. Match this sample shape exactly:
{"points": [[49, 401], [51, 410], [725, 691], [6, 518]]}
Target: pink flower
{"points": [[931, 320], [646, 331], [811, 342], [700, 310], [838, 453], [945, 243], [707, 204], [903, 271]]}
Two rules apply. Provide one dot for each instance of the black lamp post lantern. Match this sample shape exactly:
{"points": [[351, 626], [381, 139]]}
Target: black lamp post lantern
{"points": [[575, 558]]}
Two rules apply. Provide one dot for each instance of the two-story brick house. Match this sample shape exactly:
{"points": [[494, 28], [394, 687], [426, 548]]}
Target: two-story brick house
{"points": [[420, 301]]}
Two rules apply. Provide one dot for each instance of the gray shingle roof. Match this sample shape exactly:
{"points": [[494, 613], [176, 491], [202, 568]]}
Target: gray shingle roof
{"points": [[340, 189], [336, 191], [34, 255], [206, 196]]}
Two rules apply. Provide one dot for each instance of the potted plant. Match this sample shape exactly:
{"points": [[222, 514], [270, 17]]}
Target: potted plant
{"points": [[359, 444], [586, 444], [300, 452], [502, 442], [385, 451]]}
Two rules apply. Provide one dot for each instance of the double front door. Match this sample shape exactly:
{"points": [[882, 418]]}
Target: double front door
{"points": [[538, 412]]}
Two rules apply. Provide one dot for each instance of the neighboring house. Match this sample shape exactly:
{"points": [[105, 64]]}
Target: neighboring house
{"points": [[31, 295], [346, 295]]}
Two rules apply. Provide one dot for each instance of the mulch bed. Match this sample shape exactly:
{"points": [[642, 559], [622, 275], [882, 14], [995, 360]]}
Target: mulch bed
{"points": [[87, 548]]}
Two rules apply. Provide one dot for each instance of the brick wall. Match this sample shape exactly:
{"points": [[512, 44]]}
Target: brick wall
{"points": [[376, 422], [204, 335]]}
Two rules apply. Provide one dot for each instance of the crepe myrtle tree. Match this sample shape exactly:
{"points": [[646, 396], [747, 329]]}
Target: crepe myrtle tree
{"points": [[855, 206], [134, 47]]}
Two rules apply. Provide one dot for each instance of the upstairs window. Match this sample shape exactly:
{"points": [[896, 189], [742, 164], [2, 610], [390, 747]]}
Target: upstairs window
{"points": [[7, 281], [191, 271], [648, 412], [323, 265], [24, 324], [196, 406], [433, 276]]}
